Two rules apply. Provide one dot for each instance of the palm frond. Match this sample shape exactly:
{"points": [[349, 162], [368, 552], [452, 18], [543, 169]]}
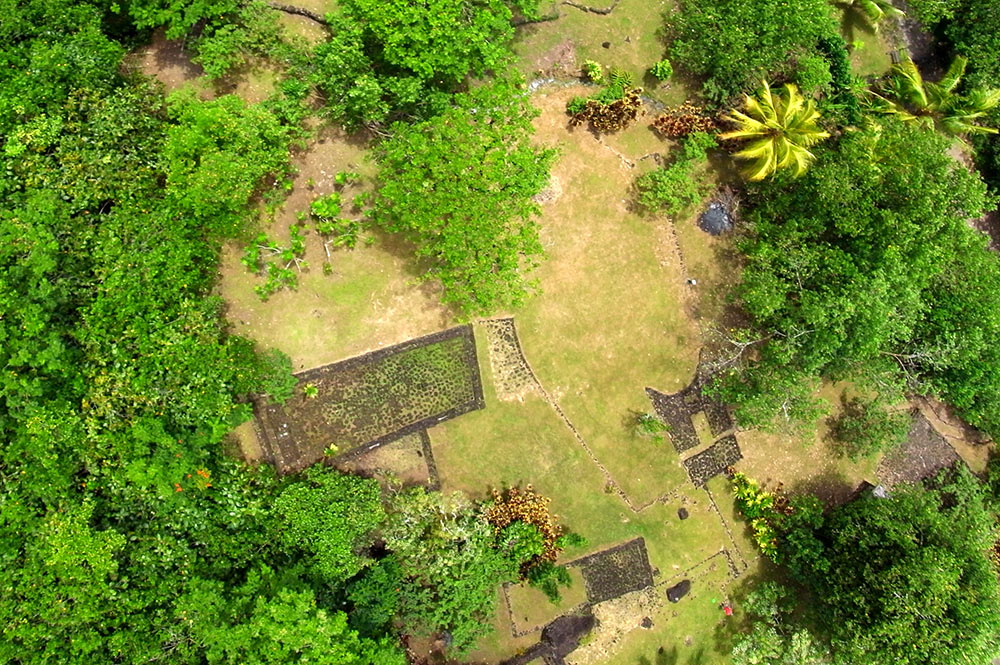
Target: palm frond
{"points": [[951, 78], [910, 84], [778, 128]]}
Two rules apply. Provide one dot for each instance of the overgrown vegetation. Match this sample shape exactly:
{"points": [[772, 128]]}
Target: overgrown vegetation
{"points": [[440, 185], [946, 581], [855, 272], [734, 44], [613, 108], [671, 189]]}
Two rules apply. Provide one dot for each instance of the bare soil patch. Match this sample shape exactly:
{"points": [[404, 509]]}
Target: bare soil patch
{"points": [[168, 62], [921, 455], [406, 461]]}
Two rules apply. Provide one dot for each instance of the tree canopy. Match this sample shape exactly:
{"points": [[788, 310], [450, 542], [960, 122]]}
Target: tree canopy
{"points": [[907, 579], [847, 267], [460, 187]]}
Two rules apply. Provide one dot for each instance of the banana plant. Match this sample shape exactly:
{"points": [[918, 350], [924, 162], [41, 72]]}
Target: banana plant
{"points": [[907, 96], [780, 129]]}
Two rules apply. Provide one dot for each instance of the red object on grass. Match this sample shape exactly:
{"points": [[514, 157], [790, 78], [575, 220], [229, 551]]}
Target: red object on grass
{"points": [[728, 610]]}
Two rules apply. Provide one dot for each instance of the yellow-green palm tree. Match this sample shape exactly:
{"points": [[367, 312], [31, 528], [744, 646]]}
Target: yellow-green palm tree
{"points": [[912, 99], [874, 10], [780, 129]]}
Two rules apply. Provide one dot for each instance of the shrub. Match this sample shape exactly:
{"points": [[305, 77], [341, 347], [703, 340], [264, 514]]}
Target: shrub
{"points": [[649, 426], [671, 189], [760, 507], [607, 117], [736, 43], [813, 73], [593, 71], [613, 108], [662, 70], [842, 80], [975, 34], [865, 428], [679, 121]]}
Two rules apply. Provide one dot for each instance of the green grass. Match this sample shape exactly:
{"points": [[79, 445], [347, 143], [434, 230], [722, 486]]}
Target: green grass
{"points": [[869, 49], [637, 21], [522, 442]]}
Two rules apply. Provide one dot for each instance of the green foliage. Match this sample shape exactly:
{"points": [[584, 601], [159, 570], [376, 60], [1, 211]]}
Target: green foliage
{"points": [[672, 189], [774, 638], [330, 516], [339, 232], [386, 59], [865, 428], [445, 566], [120, 379], [760, 507], [932, 12], [662, 70], [460, 187], [845, 85], [975, 34], [326, 207], [813, 73], [277, 263], [874, 11], [178, 16], [216, 155], [254, 29], [548, 577], [612, 108], [736, 43], [906, 95], [860, 259], [649, 426], [893, 568], [268, 622], [780, 129], [593, 71]]}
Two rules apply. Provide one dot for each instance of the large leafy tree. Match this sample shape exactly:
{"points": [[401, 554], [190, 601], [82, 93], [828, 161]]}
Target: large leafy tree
{"points": [[120, 378], [780, 129], [907, 579], [385, 59], [460, 187], [845, 265], [736, 43], [331, 516], [445, 565]]}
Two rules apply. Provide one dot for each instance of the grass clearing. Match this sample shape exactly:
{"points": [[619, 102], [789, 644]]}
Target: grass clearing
{"points": [[606, 266], [372, 298], [520, 442], [531, 609], [870, 51], [632, 31]]}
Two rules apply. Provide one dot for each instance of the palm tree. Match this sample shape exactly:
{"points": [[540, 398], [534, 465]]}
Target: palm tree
{"points": [[912, 99], [874, 10], [780, 128]]}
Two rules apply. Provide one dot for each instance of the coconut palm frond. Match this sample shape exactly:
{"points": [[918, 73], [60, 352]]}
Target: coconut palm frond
{"points": [[982, 100], [951, 78], [875, 10], [958, 125], [909, 83], [779, 128]]}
